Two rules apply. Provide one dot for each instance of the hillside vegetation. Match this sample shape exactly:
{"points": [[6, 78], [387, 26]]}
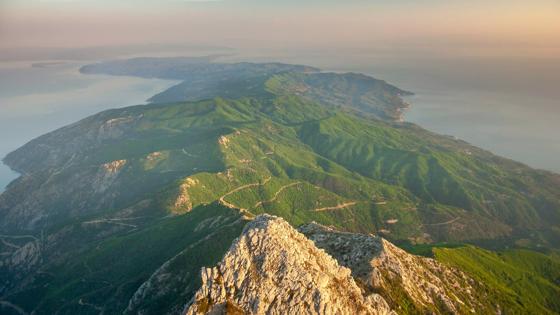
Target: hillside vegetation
{"points": [[119, 211], [524, 282]]}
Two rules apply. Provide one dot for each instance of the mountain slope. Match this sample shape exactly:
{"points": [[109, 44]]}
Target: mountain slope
{"points": [[170, 185], [410, 284], [271, 268], [520, 280], [382, 172], [110, 265]]}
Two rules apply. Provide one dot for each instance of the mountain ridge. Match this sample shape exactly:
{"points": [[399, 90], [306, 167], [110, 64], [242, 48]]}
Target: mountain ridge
{"points": [[272, 268], [119, 211]]}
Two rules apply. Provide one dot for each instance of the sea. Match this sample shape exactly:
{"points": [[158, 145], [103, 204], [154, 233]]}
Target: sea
{"points": [[509, 106]]}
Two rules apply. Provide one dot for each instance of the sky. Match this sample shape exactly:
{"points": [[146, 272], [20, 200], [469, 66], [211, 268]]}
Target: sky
{"points": [[445, 26]]}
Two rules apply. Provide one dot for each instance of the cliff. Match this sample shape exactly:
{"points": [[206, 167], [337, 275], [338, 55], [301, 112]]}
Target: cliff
{"points": [[274, 269]]}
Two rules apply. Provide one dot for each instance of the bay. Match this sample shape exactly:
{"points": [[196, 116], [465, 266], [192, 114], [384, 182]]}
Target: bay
{"points": [[40, 96]]}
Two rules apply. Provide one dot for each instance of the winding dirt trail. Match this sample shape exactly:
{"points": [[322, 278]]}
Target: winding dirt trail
{"points": [[188, 154], [9, 244], [275, 194], [95, 307], [230, 205], [445, 223], [340, 206], [18, 236], [116, 221]]}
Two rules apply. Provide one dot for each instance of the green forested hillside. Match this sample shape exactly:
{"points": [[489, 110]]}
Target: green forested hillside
{"points": [[445, 189], [127, 197], [524, 282]]}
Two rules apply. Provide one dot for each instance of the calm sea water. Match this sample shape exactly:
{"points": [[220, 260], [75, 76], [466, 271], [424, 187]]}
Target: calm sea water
{"points": [[510, 106], [38, 97]]}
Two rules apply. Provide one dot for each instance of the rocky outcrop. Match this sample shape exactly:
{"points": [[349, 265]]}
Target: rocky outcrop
{"points": [[420, 283], [23, 258], [106, 175], [183, 201], [272, 268]]}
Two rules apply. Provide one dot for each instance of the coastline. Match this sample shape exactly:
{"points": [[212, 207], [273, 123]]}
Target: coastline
{"points": [[444, 113], [7, 176], [71, 96], [401, 111]]}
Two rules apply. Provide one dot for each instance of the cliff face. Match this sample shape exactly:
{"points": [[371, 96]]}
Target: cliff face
{"points": [[274, 269], [407, 282]]}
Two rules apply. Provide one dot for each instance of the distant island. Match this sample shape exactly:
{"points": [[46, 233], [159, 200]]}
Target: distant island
{"points": [[47, 64]]}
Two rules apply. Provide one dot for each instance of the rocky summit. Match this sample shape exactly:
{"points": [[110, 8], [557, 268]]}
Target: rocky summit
{"points": [[274, 269]]}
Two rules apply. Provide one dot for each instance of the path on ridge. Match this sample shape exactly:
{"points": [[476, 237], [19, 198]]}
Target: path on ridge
{"points": [[230, 205], [340, 206], [276, 194]]}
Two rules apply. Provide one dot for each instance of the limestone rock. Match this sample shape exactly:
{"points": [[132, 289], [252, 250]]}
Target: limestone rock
{"points": [[398, 276], [23, 258], [273, 269], [183, 200], [106, 175]]}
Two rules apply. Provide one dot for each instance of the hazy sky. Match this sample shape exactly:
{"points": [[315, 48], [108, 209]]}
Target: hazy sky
{"points": [[483, 26]]}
